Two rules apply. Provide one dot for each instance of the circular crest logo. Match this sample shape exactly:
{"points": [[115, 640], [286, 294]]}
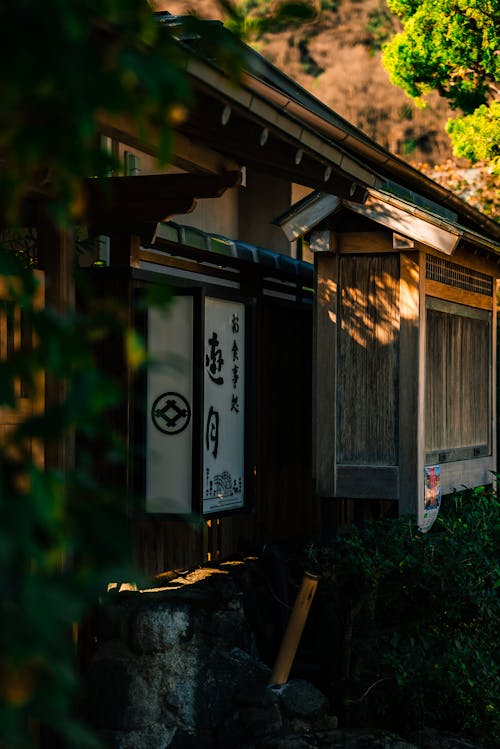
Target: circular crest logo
{"points": [[171, 413]]}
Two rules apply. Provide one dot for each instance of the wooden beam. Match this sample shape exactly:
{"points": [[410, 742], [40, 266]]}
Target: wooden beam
{"points": [[364, 242], [151, 198], [187, 153], [240, 140], [368, 482], [132, 201], [454, 294]]}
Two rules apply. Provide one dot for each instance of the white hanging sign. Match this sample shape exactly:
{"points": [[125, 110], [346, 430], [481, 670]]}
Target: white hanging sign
{"points": [[169, 430], [223, 435]]}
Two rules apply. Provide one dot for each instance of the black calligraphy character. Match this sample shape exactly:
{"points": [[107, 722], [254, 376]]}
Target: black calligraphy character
{"points": [[214, 360], [212, 431], [235, 406], [235, 324], [236, 376], [235, 351]]}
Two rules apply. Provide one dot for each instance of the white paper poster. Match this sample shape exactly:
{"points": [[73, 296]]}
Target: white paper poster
{"points": [[432, 497], [224, 406]]}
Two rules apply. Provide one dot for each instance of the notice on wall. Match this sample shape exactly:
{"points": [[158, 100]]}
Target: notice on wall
{"points": [[223, 472], [432, 497], [169, 430]]}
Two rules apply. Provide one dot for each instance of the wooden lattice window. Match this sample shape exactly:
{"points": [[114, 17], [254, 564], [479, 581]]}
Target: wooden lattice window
{"points": [[451, 274]]}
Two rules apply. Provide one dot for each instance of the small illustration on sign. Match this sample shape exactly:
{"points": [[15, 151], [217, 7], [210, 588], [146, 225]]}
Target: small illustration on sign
{"points": [[171, 413]]}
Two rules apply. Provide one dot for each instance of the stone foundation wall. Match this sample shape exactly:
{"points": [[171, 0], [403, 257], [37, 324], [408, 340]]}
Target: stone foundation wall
{"points": [[177, 668]]}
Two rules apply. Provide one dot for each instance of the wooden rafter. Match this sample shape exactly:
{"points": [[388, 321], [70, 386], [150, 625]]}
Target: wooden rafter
{"points": [[150, 199]]}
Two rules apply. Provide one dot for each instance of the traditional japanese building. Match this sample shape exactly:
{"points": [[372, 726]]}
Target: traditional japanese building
{"points": [[240, 436]]}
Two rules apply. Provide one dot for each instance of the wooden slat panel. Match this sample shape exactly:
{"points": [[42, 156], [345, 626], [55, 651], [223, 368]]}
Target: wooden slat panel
{"points": [[162, 545], [368, 482], [463, 473], [364, 242], [368, 360], [458, 381]]}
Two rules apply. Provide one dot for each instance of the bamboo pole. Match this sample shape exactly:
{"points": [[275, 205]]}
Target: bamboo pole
{"points": [[293, 632]]}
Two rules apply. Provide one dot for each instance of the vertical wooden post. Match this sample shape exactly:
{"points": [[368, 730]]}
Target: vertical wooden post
{"points": [[325, 374], [124, 250], [411, 382], [295, 627], [56, 256], [494, 376]]}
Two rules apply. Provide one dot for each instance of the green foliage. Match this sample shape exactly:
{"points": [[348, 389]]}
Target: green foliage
{"points": [[477, 136], [62, 536], [450, 46], [414, 620]]}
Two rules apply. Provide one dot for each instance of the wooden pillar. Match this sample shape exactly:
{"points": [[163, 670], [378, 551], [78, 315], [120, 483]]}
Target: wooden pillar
{"points": [[56, 256], [325, 373], [124, 250], [411, 382]]}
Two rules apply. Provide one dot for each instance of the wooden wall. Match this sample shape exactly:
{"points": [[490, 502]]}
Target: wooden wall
{"points": [[404, 376], [367, 360]]}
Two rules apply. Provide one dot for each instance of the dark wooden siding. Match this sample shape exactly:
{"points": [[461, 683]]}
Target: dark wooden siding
{"points": [[285, 508], [368, 355]]}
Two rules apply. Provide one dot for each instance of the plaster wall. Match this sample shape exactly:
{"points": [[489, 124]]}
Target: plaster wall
{"points": [[260, 202]]}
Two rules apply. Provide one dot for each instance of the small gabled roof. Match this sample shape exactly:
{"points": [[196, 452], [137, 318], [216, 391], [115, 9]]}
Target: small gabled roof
{"points": [[441, 232]]}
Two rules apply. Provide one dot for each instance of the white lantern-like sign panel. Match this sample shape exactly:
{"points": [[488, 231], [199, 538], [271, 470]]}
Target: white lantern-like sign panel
{"points": [[197, 424], [223, 475], [169, 429]]}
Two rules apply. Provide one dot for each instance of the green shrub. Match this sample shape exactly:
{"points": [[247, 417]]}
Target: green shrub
{"points": [[410, 623]]}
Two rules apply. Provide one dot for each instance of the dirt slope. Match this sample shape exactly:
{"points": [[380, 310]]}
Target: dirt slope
{"points": [[336, 58]]}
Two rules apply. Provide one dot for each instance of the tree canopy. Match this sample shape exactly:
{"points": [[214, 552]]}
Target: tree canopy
{"points": [[453, 46]]}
